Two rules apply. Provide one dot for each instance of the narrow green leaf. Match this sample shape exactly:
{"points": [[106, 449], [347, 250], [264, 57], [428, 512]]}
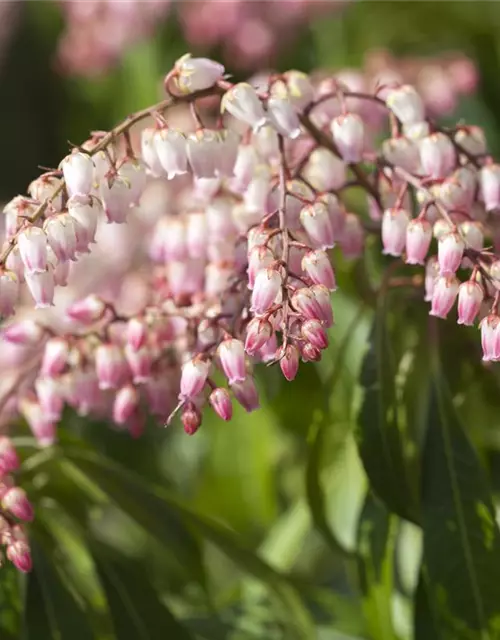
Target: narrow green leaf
{"points": [[135, 607], [149, 505], [385, 446], [424, 625], [376, 539], [62, 616], [10, 602], [461, 536]]}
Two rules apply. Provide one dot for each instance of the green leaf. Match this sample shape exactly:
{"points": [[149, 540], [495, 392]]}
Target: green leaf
{"points": [[425, 621], [10, 602], [136, 609], [153, 507], [385, 446], [376, 539], [461, 536], [52, 612]]}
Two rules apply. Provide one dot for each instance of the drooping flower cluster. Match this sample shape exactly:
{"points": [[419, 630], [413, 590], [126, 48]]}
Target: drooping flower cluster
{"points": [[233, 266]]}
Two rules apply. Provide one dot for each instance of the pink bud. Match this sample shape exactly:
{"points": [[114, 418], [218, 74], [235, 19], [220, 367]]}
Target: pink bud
{"points": [[324, 171], [490, 337], [318, 267], [55, 357], [394, 224], [259, 258], [349, 136], [259, 331], [41, 286], [136, 333], [87, 311], [268, 283], [78, 171], [283, 117], [220, 401], [490, 186], [50, 396], [26, 332], [125, 404], [111, 366], [437, 155], [406, 104], [85, 211], [242, 102], [313, 332], [268, 351], [193, 378], [9, 460], [289, 363], [231, 354], [171, 148], [418, 240], [140, 362], [246, 394], [196, 74], [191, 419], [470, 297], [82, 390], [9, 291], [203, 149], [18, 553], [352, 240], [316, 222], [61, 236], [444, 295], [16, 502], [310, 353], [450, 253], [32, 243], [322, 297]]}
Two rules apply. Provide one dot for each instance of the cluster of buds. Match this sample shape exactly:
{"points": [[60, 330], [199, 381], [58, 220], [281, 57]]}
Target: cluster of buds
{"points": [[235, 266], [15, 509]]}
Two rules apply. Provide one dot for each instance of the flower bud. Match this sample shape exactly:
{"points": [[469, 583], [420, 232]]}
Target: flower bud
{"points": [[472, 139], [18, 552], [242, 102], [259, 332], [470, 298], [490, 337], [26, 332], [283, 117], [32, 243], [231, 354], [50, 397], [268, 351], [193, 378], [55, 356], [140, 362], [299, 88], [136, 333], [349, 136], [61, 236], [310, 353], [125, 404], [257, 192], [191, 419], [313, 332], [394, 224], [267, 286], [44, 187], [220, 401], [418, 240], [9, 292], [196, 74], [111, 366], [324, 171], [322, 297], [9, 460], [260, 257], [450, 253], [246, 394], [489, 177], [78, 172], [171, 148], [16, 502], [85, 211], [316, 222], [43, 429], [443, 296], [406, 104], [41, 286], [289, 363], [437, 155], [87, 311], [318, 267]]}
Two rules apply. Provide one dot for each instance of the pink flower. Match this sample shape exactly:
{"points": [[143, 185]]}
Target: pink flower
{"points": [[490, 337], [318, 267], [111, 366], [193, 378], [87, 311], [32, 243], [18, 552], [444, 296], [125, 404], [55, 356], [490, 186], [220, 401], [9, 292], [231, 354], [313, 332], [437, 155], [406, 104], [289, 363], [171, 149], [267, 286], [196, 74], [450, 253], [9, 460], [258, 333], [349, 136], [41, 286], [16, 502], [316, 222], [246, 393], [78, 171], [418, 240], [283, 117], [470, 297], [242, 102], [394, 225]]}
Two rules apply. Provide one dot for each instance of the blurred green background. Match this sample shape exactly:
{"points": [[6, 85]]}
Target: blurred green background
{"points": [[265, 527]]}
